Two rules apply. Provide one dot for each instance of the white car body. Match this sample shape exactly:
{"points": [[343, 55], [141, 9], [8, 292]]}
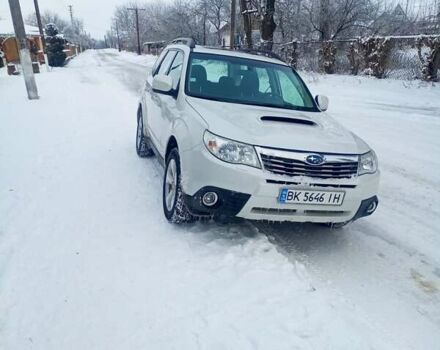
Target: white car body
{"points": [[179, 120]]}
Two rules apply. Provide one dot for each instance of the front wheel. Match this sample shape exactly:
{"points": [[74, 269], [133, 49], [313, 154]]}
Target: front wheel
{"points": [[174, 206]]}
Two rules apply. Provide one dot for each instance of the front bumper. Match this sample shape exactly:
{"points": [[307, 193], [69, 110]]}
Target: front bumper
{"points": [[252, 193]]}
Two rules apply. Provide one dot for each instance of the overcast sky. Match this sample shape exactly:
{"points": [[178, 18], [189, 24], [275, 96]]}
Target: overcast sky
{"points": [[95, 13]]}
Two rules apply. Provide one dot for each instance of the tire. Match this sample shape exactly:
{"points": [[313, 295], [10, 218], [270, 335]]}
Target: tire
{"points": [[174, 206], [143, 148]]}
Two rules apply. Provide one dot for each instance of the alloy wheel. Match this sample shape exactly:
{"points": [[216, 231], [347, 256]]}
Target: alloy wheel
{"points": [[171, 184]]}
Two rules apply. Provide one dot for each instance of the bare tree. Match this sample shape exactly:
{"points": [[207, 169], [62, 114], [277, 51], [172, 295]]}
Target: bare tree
{"points": [[264, 11], [292, 21], [268, 25], [247, 11], [218, 15], [181, 20], [202, 11], [330, 19], [46, 18]]}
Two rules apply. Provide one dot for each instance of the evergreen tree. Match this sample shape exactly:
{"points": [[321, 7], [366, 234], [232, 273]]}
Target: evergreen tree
{"points": [[54, 46]]}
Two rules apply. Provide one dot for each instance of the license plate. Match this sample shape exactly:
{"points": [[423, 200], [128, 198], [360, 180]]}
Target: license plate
{"points": [[288, 196]]}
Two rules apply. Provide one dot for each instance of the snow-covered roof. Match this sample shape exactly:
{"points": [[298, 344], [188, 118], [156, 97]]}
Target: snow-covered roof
{"points": [[7, 28]]}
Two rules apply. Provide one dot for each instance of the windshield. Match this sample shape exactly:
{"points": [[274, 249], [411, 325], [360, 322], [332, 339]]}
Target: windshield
{"points": [[240, 80]]}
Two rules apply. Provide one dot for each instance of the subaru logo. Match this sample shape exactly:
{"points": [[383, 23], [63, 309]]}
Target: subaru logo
{"points": [[315, 159]]}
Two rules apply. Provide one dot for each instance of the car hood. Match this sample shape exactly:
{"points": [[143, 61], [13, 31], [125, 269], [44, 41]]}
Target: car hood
{"points": [[277, 127]]}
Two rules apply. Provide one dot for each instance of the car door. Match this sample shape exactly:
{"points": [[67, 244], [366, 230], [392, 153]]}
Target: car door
{"points": [[154, 100], [168, 103]]}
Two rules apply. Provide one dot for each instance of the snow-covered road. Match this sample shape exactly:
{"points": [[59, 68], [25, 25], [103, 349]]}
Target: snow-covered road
{"points": [[87, 260]]}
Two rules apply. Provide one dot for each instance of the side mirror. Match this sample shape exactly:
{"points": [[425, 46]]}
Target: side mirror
{"points": [[322, 102], [163, 84]]}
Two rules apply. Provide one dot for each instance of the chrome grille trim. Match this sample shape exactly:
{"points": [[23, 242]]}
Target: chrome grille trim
{"points": [[273, 211], [294, 212], [279, 182], [291, 163]]}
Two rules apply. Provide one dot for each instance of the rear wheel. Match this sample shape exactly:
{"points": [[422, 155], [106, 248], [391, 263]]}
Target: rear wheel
{"points": [[174, 206], [143, 149]]}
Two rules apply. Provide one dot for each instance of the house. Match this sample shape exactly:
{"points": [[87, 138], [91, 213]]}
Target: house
{"points": [[225, 34], [394, 22], [9, 47]]}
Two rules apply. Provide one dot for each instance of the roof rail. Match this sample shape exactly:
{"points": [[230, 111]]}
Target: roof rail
{"points": [[259, 52], [185, 41]]}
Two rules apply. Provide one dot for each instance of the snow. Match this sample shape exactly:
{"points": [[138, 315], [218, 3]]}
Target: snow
{"points": [[87, 260], [401, 122], [144, 60]]}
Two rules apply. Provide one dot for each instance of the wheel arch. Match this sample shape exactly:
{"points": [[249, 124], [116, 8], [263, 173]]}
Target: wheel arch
{"points": [[172, 143], [141, 111]]}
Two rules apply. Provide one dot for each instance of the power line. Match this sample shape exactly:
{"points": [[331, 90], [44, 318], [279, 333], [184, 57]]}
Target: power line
{"points": [[136, 11]]}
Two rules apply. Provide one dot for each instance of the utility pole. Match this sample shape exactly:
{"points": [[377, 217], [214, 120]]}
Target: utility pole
{"points": [[24, 50], [40, 24], [204, 27], [40, 28], [117, 35], [71, 14], [205, 15], [136, 11], [232, 33]]}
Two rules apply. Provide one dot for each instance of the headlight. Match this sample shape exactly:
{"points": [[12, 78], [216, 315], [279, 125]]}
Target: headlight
{"points": [[367, 163], [231, 151]]}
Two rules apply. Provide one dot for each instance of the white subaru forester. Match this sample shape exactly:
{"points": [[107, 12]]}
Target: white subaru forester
{"points": [[239, 134]]}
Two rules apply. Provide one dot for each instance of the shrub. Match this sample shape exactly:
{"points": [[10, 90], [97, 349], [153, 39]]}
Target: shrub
{"points": [[430, 58], [54, 46]]}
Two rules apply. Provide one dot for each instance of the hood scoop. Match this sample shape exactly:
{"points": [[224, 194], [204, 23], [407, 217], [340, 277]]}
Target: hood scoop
{"points": [[288, 120]]}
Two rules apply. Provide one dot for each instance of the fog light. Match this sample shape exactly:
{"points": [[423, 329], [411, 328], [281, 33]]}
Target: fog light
{"points": [[372, 207], [209, 199]]}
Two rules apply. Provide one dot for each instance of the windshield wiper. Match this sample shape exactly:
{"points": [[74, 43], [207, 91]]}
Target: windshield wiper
{"points": [[273, 105], [289, 105]]}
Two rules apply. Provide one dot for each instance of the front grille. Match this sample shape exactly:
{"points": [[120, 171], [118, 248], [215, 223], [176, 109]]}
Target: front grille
{"points": [[295, 167]]}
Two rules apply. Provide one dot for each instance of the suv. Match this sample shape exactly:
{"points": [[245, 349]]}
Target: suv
{"points": [[239, 134]]}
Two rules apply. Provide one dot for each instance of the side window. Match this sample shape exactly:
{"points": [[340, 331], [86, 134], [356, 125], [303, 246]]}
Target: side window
{"points": [[158, 62], [263, 77], [290, 90], [163, 68], [176, 69]]}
